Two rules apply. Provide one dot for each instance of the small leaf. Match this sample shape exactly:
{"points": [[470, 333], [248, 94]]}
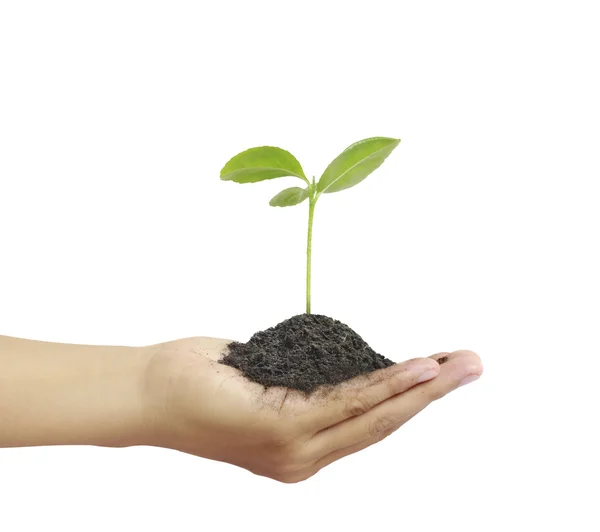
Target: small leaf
{"points": [[355, 163], [289, 196], [258, 164]]}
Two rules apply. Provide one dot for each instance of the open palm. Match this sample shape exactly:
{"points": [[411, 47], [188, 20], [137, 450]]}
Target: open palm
{"points": [[205, 408]]}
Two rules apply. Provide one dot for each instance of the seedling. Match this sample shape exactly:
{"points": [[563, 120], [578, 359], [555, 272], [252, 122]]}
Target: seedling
{"points": [[348, 169]]}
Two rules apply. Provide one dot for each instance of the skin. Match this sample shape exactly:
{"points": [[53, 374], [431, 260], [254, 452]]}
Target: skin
{"points": [[176, 395]]}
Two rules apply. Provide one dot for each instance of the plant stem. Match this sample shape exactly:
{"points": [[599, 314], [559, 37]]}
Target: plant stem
{"points": [[312, 199]]}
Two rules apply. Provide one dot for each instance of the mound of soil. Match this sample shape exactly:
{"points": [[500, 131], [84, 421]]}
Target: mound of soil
{"points": [[303, 353]]}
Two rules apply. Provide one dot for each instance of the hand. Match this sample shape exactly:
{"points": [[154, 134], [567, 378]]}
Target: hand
{"points": [[201, 407]]}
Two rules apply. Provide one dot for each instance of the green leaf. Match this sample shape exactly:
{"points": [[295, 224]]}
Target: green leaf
{"points": [[289, 196], [258, 164], [355, 163]]}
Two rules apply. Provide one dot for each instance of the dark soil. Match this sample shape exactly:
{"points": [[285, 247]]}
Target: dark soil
{"points": [[303, 353], [441, 360]]}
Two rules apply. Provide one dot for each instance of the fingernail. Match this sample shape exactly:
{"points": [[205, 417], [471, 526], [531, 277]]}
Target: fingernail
{"points": [[468, 380], [427, 376]]}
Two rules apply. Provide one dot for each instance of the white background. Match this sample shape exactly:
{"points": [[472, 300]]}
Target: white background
{"points": [[479, 232]]}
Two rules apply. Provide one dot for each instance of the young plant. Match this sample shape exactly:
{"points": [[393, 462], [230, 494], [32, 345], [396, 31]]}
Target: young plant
{"points": [[348, 169]]}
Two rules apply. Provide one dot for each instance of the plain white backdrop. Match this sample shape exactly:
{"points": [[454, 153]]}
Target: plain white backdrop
{"points": [[480, 232]]}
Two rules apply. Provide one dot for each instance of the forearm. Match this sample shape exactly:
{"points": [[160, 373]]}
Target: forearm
{"points": [[63, 394]]}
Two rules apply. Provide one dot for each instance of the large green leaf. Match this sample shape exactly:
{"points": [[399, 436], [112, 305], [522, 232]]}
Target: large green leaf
{"points": [[258, 164], [355, 163], [289, 196]]}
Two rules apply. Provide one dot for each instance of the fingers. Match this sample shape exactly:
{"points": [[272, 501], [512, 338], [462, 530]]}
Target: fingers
{"points": [[385, 417], [363, 393]]}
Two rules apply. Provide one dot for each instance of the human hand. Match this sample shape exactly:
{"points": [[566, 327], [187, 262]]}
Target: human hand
{"points": [[201, 407]]}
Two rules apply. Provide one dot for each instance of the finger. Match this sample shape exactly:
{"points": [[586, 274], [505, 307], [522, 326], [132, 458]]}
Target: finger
{"points": [[361, 394], [441, 358], [324, 461], [394, 412]]}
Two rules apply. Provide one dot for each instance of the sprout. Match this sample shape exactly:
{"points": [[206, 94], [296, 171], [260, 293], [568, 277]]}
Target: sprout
{"points": [[349, 168]]}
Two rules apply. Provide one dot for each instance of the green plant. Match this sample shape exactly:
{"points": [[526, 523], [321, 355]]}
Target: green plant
{"points": [[348, 169]]}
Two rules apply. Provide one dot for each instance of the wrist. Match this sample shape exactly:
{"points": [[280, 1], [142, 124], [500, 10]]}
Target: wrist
{"points": [[156, 421], [133, 423], [175, 411]]}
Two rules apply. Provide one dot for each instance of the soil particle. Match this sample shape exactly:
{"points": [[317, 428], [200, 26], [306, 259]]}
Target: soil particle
{"points": [[303, 353], [441, 360]]}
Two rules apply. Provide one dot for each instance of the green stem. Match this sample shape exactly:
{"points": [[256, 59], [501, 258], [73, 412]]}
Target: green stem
{"points": [[312, 200]]}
